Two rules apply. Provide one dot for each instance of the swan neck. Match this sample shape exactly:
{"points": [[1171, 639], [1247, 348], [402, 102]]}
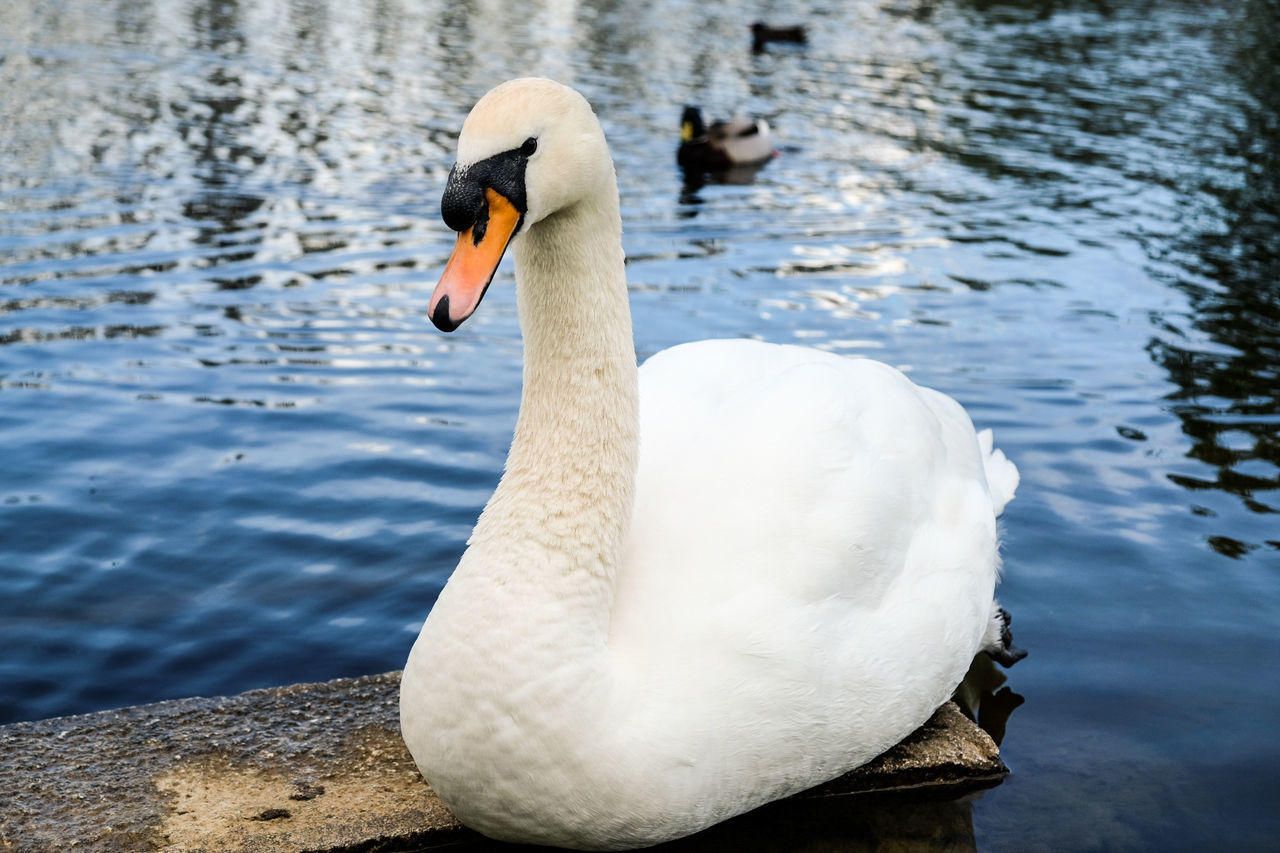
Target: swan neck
{"points": [[562, 508]]}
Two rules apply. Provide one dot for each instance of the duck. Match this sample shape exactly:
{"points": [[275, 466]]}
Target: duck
{"points": [[739, 141], [702, 584], [762, 34]]}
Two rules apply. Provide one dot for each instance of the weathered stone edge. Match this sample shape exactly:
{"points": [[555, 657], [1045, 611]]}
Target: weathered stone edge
{"points": [[241, 773]]}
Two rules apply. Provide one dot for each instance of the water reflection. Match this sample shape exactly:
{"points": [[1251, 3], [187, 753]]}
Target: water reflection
{"points": [[694, 179], [219, 222], [852, 825], [1097, 122], [1229, 391], [216, 121], [866, 823], [985, 697]]}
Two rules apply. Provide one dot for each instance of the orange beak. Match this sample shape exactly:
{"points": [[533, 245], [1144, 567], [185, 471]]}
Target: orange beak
{"points": [[474, 261]]}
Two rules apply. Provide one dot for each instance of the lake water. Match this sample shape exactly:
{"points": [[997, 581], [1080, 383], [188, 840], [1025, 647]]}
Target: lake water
{"points": [[236, 454]]}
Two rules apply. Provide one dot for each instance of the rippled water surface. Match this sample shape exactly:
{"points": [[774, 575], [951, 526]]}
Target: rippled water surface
{"points": [[236, 454]]}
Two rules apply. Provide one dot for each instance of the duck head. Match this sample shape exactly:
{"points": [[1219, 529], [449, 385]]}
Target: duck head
{"points": [[691, 125]]}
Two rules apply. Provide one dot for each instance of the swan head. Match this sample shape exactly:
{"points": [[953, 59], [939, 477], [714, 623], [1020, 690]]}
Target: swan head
{"points": [[528, 150]]}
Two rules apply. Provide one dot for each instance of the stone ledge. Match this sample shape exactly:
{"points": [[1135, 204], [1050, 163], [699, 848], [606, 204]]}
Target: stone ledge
{"points": [[314, 767]]}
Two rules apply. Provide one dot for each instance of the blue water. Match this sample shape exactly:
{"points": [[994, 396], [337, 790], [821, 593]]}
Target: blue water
{"points": [[236, 454]]}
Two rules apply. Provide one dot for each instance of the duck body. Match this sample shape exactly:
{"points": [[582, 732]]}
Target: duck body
{"points": [[762, 35], [700, 586], [739, 141]]}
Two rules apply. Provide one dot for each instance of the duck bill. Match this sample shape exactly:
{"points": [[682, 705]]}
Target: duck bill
{"points": [[474, 260]]}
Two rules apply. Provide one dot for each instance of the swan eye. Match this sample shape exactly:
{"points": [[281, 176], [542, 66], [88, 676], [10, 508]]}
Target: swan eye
{"points": [[530, 146]]}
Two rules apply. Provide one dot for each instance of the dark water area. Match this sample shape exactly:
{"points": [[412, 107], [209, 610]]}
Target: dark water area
{"points": [[236, 454]]}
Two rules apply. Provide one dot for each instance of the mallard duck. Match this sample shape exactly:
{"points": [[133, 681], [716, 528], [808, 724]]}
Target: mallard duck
{"points": [[762, 34], [739, 141], [732, 574]]}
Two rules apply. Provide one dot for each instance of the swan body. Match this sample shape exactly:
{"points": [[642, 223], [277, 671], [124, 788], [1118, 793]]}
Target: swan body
{"points": [[700, 586], [739, 141]]}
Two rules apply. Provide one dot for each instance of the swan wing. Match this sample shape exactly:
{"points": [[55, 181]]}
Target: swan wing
{"points": [[812, 554]]}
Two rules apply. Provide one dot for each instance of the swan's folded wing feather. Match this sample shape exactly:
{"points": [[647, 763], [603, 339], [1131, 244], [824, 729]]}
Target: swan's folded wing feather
{"points": [[797, 471]]}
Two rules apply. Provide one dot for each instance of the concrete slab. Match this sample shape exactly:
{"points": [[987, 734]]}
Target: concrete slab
{"points": [[320, 767]]}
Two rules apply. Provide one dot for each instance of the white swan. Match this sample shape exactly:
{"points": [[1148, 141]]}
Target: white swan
{"points": [[738, 574]]}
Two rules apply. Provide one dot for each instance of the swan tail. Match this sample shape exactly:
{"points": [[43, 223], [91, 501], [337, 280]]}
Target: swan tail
{"points": [[1002, 474], [999, 639]]}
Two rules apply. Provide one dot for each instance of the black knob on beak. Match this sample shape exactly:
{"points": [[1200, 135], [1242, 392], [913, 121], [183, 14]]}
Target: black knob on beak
{"points": [[462, 205]]}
